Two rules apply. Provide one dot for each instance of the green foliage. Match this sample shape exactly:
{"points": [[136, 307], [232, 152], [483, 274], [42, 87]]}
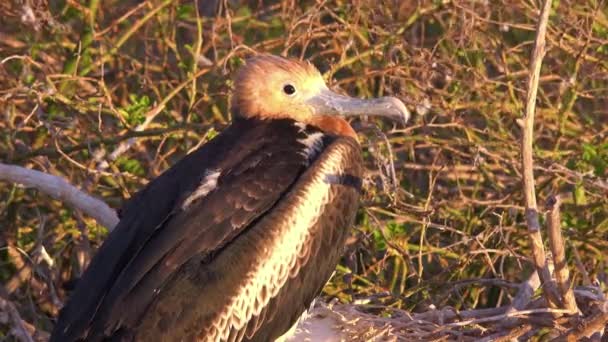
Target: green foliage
{"points": [[132, 166], [595, 156], [134, 113], [186, 11]]}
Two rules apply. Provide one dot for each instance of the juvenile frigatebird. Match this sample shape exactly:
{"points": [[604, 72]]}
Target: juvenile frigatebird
{"points": [[234, 241]]}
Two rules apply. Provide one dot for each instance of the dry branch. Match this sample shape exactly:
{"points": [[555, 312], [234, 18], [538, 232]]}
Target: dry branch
{"points": [[18, 327], [524, 295], [527, 141], [509, 335], [526, 291], [562, 274], [586, 328], [61, 190], [506, 316]]}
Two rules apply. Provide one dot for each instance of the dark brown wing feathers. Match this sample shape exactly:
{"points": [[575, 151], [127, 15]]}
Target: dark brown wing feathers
{"points": [[163, 270]]}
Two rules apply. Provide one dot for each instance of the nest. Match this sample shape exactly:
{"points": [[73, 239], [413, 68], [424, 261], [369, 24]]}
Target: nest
{"points": [[345, 322]]}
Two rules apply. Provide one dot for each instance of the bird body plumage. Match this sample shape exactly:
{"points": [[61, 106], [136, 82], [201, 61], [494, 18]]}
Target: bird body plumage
{"points": [[234, 241], [268, 205]]}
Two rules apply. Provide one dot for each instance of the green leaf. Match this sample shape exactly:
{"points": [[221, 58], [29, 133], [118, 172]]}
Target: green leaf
{"points": [[135, 113], [185, 11], [132, 166], [579, 194]]}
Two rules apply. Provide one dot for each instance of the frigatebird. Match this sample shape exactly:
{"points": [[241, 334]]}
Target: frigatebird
{"points": [[234, 241]]}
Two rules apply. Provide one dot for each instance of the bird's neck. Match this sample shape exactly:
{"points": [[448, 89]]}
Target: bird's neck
{"points": [[333, 125]]}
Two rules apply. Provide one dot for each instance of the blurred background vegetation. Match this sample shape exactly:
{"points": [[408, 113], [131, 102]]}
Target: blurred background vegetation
{"points": [[108, 94]]}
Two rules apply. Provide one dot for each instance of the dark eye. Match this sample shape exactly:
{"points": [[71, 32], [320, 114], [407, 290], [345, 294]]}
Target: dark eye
{"points": [[289, 89]]}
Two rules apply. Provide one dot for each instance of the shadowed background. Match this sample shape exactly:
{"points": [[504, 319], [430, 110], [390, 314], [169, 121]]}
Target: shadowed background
{"points": [[108, 94]]}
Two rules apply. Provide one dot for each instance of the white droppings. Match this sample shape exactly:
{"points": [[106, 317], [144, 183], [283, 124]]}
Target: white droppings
{"points": [[208, 184]]}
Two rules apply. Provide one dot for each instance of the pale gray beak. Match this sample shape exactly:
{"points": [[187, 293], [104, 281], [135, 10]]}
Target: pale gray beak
{"points": [[329, 103]]}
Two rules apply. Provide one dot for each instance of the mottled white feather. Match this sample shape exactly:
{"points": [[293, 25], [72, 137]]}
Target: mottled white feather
{"points": [[313, 143], [207, 184]]}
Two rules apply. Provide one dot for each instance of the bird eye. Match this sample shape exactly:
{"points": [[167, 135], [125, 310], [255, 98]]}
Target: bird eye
{"points": [[289, 89]]}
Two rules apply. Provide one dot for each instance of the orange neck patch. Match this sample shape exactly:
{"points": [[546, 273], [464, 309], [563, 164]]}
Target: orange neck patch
{"points": [[333, 125]]}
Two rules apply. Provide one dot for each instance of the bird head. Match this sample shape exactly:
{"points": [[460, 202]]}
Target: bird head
{"points": [[271, 87]]}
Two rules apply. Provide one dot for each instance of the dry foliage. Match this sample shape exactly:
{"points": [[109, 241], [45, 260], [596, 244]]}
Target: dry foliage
{"points": [[108, 94]]}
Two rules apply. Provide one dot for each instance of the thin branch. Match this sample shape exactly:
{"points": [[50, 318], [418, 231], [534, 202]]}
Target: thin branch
{"points": [[93, 143], [63, 191], [586, 328], [532, 220], [525, 292], [505, 316], [150, 116], [523, 298], [580, 267], [509, 335], [18, 327], [556, 241]]}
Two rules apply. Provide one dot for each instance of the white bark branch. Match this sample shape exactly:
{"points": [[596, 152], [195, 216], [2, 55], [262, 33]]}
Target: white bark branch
{"points": [[63, 191]]}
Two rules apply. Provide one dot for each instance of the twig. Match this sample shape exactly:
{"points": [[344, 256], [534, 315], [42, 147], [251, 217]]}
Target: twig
{"points": [[523, 297], [18, 328], [586, 328], [597, 182], [526, 291], [580, 267], [508, 335], [532, 220], [446, 315], [150, 115], [125, 36], [53, 152], [63, 191], [556, 242], [506, 315]]}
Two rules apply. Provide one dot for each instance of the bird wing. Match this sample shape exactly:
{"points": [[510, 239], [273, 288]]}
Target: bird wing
{"points": [[256, 289], [193, 209]]}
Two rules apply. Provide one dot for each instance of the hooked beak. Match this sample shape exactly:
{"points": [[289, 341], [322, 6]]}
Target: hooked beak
{"points": [[329, 103]]}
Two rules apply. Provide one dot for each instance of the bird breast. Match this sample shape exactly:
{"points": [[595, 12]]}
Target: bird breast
{"points": [[282, 261], [286, 239]]}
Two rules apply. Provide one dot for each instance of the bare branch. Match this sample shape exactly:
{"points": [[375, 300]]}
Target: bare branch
{"points": [[522, 299], [532, 221], [150, 116], [18, 327], [506, 315], [562, 274], [586, 328], [525, 292], [60, 189]]}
